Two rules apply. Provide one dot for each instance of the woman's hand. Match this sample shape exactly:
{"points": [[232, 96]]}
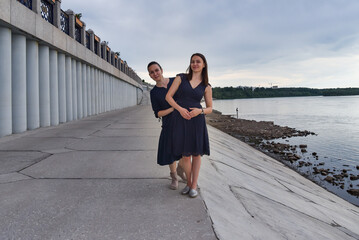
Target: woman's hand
{"points": [[195, 112], [184, 113]]}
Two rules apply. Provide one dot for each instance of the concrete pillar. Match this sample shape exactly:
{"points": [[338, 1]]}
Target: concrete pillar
{"points": [[44, 85], [84, 89], [89, 91], [54, 89], [79, 90], [68, 74], [5, 82], [93, 91], [18, 83], [100, 85], [62, 87], [96, 91], [32, 85], [105, 92], [74, 89]]}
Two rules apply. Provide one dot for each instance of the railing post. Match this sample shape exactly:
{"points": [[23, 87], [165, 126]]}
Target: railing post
{"points": [[92, 40], [112, 62], [57, 12], [71, 15], [104, 50], [83, 34], [36, 6], [97, 46]]}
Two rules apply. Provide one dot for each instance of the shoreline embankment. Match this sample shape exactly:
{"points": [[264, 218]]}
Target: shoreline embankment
{"points": [[262, 136]]}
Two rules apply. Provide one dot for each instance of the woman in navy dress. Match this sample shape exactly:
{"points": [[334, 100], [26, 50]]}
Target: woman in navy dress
{"points": [[163, 110], [190, 136]]}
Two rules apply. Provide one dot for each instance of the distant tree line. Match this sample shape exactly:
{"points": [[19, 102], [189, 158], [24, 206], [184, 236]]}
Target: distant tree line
{"points": [[261, 92]]}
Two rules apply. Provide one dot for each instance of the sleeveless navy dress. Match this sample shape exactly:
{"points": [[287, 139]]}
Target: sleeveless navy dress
{"points": [[189, 137], [158, 102]]}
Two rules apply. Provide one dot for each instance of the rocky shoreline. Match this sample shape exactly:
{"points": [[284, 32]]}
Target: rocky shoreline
{"points": [[262, 135]]}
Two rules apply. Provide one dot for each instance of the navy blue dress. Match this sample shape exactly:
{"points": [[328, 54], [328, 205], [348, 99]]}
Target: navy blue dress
{"points": [[189, 137], [158, 101]]}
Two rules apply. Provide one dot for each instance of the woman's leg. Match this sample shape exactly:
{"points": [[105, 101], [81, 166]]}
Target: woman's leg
{"points": [[196, 165], [173, 167], [187, 166], [174, 183], [180, 170]]}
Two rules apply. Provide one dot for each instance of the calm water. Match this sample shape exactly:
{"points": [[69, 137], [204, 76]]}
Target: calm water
{"points": [[335, 120]]}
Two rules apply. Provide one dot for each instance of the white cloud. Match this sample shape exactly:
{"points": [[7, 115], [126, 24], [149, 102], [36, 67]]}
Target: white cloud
{"points": [[246, 42]]}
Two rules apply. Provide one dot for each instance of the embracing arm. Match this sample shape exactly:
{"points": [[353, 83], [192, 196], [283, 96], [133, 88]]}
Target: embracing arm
{"points": [[165, 112], [169, 98]]}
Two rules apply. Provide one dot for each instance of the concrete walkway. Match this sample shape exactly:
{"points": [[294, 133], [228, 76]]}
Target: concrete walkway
{"points": [[97, 179], [94, 179]]}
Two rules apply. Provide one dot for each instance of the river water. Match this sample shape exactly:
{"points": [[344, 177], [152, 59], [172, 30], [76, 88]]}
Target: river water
{"points": [[335, 120]]}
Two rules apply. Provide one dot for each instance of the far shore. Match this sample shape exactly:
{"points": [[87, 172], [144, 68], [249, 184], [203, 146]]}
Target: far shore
{"points": [[262, 135]]}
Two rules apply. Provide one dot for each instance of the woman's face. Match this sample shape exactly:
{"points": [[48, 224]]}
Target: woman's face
{"points": [[197, 64], [155, 72]]}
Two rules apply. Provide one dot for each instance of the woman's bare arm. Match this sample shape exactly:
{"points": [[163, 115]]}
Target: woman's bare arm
{"points": [[169, 98]]}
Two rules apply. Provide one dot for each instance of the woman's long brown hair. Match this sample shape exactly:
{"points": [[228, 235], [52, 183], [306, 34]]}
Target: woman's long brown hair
{"points": [[204, 70]]}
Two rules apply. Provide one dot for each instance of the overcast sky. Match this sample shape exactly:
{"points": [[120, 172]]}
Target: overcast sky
{"points": [[289, 43]]}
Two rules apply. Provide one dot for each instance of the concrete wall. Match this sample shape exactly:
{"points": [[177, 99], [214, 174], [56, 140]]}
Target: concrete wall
{"points": [[47, 77]]}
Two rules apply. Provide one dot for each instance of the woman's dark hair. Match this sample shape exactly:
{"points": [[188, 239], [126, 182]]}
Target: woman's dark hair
{"points": [[153, 63], [204, 70]]}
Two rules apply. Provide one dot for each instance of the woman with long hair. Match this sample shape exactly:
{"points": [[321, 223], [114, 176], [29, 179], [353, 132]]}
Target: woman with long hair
{"points": [[190, 136], [163, 110]]}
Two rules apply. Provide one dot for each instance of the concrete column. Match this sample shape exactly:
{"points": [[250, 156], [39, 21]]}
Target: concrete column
{"points": [[111, 92], [96, 91], [106, 92], [100, 85], [18, 83], [62, 87], [5, 82], [44, 85], [32, 85], [89, 91], [79, 90], [103, 91], [57, 12], [68, 74], [74, 89], [84, 89], [93, 91], [54, 89], [71, 15]]}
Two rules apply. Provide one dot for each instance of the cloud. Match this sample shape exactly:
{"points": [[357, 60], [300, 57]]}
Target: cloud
{"points": [[292, 43]]}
